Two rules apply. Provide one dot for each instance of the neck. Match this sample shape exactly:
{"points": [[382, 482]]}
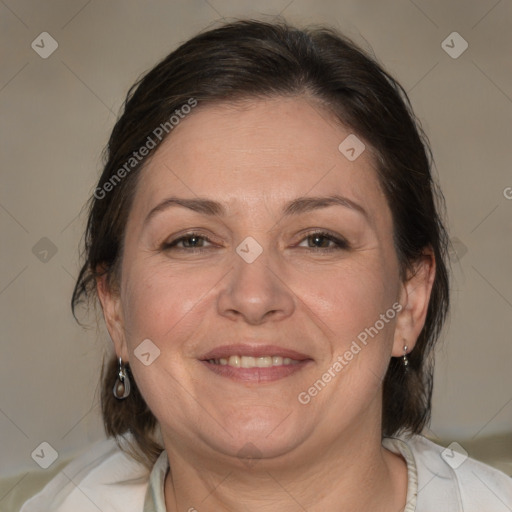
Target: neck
{"points": [[354, 473]]}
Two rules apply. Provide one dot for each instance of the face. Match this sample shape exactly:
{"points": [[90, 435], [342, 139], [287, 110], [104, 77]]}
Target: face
{"points": [[304, 281]]}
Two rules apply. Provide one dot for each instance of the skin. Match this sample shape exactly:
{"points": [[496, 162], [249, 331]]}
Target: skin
{"points": [[254, 158]]}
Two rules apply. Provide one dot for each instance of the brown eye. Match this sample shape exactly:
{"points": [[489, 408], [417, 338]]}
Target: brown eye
{"points": [[188, 241], [321, 241]]}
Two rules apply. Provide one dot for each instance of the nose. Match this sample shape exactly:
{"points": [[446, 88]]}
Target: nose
{"points": [[256, 292]]}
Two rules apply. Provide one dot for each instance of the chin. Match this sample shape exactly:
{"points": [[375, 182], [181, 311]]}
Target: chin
{"points": [[260, 435], [251, 449]]}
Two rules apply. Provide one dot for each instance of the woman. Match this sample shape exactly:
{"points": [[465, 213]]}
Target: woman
{"points": [[267, 248]]}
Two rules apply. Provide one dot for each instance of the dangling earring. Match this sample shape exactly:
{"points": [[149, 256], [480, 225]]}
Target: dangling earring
{"points": [[122, 385], [405, 360]]}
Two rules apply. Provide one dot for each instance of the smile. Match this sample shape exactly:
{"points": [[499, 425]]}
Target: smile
{"points": [[253, 362]]}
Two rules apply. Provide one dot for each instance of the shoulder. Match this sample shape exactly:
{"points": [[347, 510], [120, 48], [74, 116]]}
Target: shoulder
{"points": [[450, 476], [101, 478]]}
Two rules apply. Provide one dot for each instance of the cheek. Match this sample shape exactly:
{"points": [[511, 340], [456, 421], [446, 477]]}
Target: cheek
{"points": [[170, 309], [163, 304], [348, 299]]}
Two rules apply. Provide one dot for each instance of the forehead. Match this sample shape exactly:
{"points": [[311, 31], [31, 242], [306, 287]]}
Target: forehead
{"points": [[255, 153]]}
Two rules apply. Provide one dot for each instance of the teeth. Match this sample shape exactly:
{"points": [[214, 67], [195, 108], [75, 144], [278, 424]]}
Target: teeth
{"points": [[247, 362], [263, 362], [253, 362], [233, 361]]}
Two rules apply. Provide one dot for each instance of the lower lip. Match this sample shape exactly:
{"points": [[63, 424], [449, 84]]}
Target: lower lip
{"points": [[257, 375]]}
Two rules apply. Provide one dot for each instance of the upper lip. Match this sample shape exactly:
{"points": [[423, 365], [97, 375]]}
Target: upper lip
{"points": [[225, 351]]}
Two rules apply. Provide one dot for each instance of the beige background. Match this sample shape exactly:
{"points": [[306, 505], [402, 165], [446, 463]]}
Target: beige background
{"points": [[57, 114]]}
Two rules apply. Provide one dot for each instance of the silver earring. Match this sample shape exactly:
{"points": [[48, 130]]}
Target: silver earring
{"points": [[405, 360], [122, 385]]}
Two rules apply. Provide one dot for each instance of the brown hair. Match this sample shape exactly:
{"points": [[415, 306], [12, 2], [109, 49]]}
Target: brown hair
{"points": [[253, 59]]}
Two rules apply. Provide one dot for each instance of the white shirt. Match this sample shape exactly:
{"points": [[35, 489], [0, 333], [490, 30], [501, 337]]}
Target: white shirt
{"points": [[106, 479]]}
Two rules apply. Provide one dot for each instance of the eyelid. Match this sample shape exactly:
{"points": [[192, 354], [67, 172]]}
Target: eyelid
{"points": [[340, 243], [189, 234]]}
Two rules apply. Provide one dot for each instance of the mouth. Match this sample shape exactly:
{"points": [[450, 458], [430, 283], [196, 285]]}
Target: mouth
{"points": [[252, 363]]}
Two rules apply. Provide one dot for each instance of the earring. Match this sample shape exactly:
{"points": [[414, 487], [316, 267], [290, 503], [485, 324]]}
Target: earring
{"points": [[122, 386], [405, 360]]}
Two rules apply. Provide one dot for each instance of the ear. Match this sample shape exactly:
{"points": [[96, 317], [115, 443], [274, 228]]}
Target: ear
{"points": [[414, 298], [112, 313]]}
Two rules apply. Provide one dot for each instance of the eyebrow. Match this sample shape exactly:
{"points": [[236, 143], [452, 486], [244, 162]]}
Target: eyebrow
{"points": [[295, 207]]}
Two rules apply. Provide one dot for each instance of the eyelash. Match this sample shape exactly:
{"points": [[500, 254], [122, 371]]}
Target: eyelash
{"points": [[341, 244]]}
